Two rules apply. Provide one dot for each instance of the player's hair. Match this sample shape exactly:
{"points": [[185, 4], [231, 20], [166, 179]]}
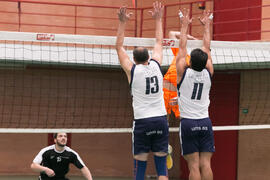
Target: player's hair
{"points": [[198, 59], [140, 55], [55, 135]]}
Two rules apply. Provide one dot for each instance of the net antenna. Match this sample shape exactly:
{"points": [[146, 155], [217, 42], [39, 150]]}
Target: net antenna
{"points": [[73, 83]]}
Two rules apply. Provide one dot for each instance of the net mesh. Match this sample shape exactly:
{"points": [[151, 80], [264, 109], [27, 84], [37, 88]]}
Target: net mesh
{"points": [[50, 81]]}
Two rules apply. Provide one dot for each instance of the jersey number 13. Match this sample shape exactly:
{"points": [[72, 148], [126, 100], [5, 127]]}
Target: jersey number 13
{"points": [[151, 85]]}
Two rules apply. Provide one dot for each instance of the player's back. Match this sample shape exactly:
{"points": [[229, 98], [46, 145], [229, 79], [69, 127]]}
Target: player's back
{"points": [[193, 93], [146, 88]]}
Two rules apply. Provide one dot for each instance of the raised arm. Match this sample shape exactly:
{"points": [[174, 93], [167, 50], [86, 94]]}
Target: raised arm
{"points": [[206, 20], [124, 60], [176, 35], [157, 15], [181, 64]]}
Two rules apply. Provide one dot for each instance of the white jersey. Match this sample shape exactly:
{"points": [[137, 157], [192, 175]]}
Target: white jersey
{"points": [[193, 94], [147, 90]]}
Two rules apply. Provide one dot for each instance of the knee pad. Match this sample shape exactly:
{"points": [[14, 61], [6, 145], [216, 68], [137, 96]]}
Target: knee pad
{"points": [[139, 169], [161, 165]]}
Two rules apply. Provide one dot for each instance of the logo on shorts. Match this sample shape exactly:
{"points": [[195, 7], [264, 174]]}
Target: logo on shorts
{"points": [[154, 132], [198, 128]]}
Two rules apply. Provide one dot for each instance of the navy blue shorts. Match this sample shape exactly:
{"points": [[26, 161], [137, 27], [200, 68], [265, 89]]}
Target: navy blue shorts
{"points": [[196, 135], [150, 134]]}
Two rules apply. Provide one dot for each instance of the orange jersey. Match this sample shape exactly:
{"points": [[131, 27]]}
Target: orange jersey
{"points": [[171, 77]]}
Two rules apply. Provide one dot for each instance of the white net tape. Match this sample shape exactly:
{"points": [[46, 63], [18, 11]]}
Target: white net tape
{"points": [[251, 54]]}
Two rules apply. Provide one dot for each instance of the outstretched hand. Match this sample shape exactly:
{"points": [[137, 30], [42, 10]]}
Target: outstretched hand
{"points": [[123, 16], [206, 18], [158, 10], [184, 17]]}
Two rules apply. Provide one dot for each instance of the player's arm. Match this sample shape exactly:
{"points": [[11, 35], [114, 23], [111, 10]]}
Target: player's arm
{"points": [[206, 20], [124, 60], [42, 169], [78, 162], [176, 35], [86, 173], [157, 15], [181, 64], [168, 85], [36, 167]]}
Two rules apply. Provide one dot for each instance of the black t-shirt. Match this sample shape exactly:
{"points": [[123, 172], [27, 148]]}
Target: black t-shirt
{"points": [[57, 161]]}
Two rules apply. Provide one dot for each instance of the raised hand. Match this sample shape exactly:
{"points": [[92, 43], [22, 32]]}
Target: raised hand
{"points": [[184, 17], [206, 18], [157, 12], [123, 16]]}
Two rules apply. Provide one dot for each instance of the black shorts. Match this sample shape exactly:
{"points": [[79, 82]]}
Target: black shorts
{"points": [[150, 134], [52, 178], [196, 135]]}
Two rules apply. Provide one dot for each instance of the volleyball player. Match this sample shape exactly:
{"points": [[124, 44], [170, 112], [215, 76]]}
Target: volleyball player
{"points": [[170, 79], [150, 129], [193, 84], [170, 88], [52, 162]]}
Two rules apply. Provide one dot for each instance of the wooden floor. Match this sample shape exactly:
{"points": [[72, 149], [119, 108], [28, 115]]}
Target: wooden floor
{"points": [[71, 178]]}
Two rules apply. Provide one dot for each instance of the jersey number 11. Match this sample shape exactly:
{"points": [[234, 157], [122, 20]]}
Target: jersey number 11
{"points": [[197, 92]]}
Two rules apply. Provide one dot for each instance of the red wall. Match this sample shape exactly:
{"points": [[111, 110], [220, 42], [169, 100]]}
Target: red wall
{"points": [[237, 20], [224, 110]]}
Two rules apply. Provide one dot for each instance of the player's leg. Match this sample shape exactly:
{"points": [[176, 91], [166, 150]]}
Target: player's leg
{"points": [[169, 159], [188, 134], [161, 165], [193, 165], [205, 166], [141, 148], [159, 143], [207, 148], [140, 163]]}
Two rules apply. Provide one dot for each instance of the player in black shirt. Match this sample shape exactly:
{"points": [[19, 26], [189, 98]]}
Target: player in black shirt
{"points": [[53, 161]]}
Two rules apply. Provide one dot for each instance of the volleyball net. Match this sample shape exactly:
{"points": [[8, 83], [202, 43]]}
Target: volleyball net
{"points": [[74, 83]]}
